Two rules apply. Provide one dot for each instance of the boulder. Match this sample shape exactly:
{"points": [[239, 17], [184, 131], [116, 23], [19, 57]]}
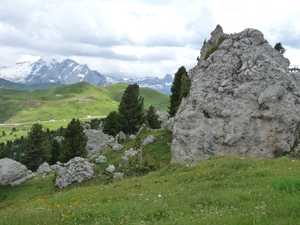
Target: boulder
{"points": [[111, 168], [76, 170], [100, 159], [44, 168], [132, 137], [130, 153], [97, 141], [117, 147], [13, 173], [243, 101], [150, 139], [121, 137]]}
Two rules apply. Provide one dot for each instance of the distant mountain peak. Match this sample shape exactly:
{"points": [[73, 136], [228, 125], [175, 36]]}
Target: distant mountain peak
{"points": [[68, 71]]}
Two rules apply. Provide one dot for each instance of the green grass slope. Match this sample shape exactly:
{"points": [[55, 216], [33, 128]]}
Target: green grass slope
{"points": [[65, 102], [221, 190], [25, 87]]}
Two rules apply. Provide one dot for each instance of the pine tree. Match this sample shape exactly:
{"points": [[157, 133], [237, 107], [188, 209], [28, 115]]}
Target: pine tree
{"points": [[55, 152], [111, 125], [74, 142], [185, 86], [37, 148], [279, 48], [131, 110], [152, 118], [175, 98]]}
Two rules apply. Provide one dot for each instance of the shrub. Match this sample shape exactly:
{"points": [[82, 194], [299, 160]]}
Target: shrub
{"points": [[215, 47]]}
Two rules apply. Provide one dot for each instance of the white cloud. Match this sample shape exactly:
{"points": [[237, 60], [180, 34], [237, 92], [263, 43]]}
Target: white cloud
{"points": [[136, 37]]}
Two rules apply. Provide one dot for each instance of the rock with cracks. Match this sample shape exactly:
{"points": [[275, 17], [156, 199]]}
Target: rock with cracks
{"points": [[76, 170], [243, 101]]}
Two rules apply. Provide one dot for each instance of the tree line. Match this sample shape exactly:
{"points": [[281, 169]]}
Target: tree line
{"points": [[42, 145]]}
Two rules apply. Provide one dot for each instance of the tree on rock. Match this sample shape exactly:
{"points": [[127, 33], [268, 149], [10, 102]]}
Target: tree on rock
{"points": [[175, 98], [37, 148], [152, 118], [131, 110], [74, 142], [185, 86], [279, 48]]}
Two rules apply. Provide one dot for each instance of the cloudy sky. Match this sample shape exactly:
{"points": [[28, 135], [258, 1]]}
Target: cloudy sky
{"points": [[136, 38]]}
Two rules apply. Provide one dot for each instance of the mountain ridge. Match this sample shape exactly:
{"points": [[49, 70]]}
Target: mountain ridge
{"points": [[69, 71]]}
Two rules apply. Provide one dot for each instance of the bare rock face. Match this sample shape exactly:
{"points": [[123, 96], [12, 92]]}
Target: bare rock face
{"points": [[13, 173], [76, 170], [97, 141], [242, 101]]}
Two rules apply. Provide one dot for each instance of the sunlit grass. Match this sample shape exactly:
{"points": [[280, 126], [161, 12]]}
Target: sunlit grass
{"points": [[65, 102], [222, 190]]}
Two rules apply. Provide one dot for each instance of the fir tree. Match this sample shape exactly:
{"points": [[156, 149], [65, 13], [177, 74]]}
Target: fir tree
{"points": [[55, 152], [185, 86], [131, 110], [152, 118], [37, 148], [111, 125], [175, 98], [279, 48], [74, 142]]}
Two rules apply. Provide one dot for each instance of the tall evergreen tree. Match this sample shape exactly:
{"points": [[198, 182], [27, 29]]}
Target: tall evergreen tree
{"points": [[55, 152], [175, 98], [152, 118], [131, 110], [185, 86], [111, 125], [37, 148], [74, 142]]}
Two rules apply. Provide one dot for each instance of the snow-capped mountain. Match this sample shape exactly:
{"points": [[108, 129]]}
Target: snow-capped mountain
{"points": [[69, 72]]}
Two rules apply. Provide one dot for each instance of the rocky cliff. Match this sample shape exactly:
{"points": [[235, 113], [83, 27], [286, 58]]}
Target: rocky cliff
{"points": [[242, 101]]}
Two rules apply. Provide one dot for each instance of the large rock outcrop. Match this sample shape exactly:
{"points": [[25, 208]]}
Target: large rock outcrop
{"points": [[13, 173], [242, 101], [97, 141], [76, 170]]}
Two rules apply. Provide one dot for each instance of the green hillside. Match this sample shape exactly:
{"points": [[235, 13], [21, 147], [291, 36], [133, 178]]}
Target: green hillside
{"points": [[25, 87], [65, 102], [221, 190]]}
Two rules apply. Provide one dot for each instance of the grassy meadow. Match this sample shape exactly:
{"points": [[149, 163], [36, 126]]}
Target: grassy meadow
{"points": [[56, 106], [221, 190]]}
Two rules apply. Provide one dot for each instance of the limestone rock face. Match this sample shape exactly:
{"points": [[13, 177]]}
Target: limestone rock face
{"points": [[76, 170], [13, 173], [242, 101], [97, 141]]}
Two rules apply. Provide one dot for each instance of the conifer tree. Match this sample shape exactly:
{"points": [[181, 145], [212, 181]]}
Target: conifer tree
{"points": [[74, 142], [111, 125], [175, 98], [37, 148], [152, 118], [131, 110], [55, 152], [185, 86], [279, 48]]}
